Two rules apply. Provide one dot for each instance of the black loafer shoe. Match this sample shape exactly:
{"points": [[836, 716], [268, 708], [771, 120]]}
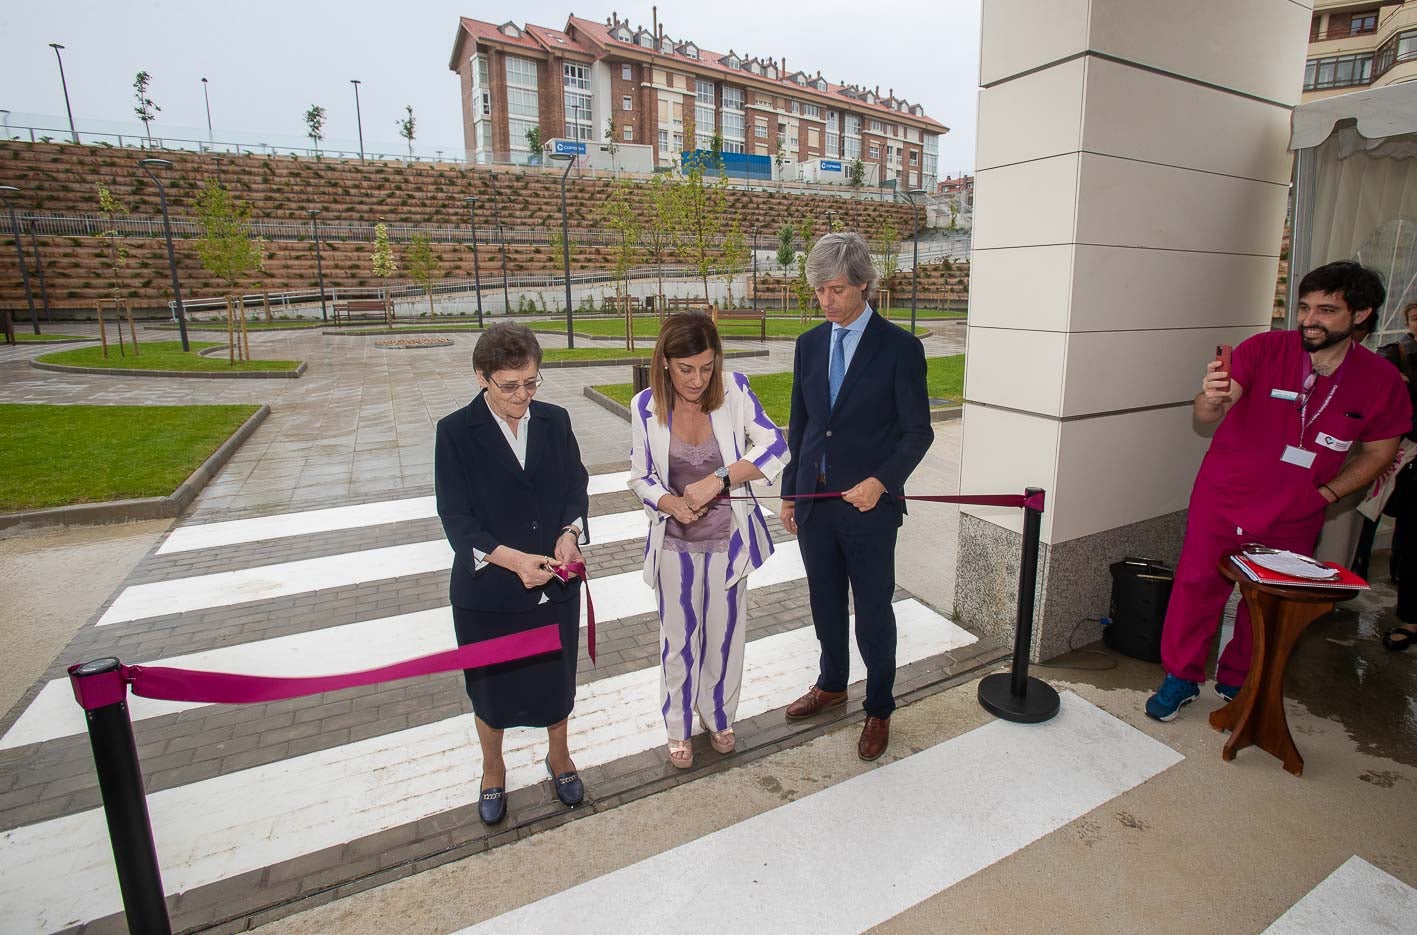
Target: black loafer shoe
{"points": [[569, 788], [492, 806]]}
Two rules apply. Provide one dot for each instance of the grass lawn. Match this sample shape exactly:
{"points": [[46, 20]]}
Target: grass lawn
{"points": [[594, 353], [160, 355], [648, 327], [29, 337], [56, 455], [944, 379]]}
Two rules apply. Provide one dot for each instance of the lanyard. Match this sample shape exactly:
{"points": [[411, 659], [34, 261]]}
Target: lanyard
{"points": [[1305, 423]]}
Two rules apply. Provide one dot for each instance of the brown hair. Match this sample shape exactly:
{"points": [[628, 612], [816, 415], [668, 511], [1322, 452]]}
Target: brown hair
{"points": [[686, 334], [505, 346]]}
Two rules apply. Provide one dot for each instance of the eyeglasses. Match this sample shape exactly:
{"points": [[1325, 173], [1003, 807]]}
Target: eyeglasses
{"points": [[1307, 390], [510, 389]]}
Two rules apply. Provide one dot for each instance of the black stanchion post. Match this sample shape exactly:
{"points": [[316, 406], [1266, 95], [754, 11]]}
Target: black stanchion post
{"points": [[99, 687], [1016, 696]]}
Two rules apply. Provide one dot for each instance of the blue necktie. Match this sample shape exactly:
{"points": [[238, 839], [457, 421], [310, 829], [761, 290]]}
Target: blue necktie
{"points": [[836, 371]]}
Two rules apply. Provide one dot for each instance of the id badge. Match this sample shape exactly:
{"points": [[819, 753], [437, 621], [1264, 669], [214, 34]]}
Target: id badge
{"points": [[1298, 457], [1287, 395]]}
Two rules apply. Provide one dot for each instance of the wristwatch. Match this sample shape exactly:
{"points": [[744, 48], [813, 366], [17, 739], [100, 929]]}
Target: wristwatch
{"points": [[722, 474]]}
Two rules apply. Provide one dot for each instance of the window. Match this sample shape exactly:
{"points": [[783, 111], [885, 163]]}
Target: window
{"points": [[1400, 48], [852, 148], [915, 157], [732, 61], [1339, 71], [486, 102], [626, 103], [664, 142], [821, 84], [760, 128], [875, 152], [763, 102], [1343, 25], [811, 110], [625, 73], [646, 40], [510, 29], [814, 138], [576, 81], [690, 50], [678, 142], [833, 135], [703, 91], [876, 126], [733, 146], [521, 71], [702, 140], [666, 45], [796, 107], [627, 133], [733, 127]]}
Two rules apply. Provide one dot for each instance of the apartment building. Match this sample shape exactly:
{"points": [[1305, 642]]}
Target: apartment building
{"points": [[1353, 46], [646, 88]]}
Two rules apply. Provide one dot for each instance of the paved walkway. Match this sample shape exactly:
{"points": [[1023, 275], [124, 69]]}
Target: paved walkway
{"points": [[316, 550]]}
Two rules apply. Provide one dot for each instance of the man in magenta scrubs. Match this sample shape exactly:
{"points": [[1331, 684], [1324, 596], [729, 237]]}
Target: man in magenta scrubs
{"points": [[1290, 410]]}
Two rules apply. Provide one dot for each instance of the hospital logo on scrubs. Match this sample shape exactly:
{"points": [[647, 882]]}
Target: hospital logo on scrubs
{"points": [[1333, 444]]}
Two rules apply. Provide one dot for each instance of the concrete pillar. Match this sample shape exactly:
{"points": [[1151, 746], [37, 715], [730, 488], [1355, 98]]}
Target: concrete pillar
{"points": [[1130, 195]]}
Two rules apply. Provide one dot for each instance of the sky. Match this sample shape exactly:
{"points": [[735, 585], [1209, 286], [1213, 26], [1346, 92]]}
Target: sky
{"points": [[268, 62]]}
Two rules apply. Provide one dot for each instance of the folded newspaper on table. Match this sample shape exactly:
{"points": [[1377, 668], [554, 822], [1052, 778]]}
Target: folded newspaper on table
{"points": [[1291, 569]]}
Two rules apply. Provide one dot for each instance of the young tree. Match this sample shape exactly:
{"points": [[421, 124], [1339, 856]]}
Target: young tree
{"points": [[802, 287], [228, 251], [146, 110], [700, 208], [734, 257], [619, 215], [534, 142], [856, 173], [887, 251], [117, 259], [786, 253], [423, 266], [315, 125], [553, 237], [657, 235], [406, 131], [612, 145], [384, 264], [779, 160]]}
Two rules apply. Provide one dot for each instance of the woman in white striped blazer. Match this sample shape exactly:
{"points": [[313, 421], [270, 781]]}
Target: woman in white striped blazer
{"points": [[698, 433]]}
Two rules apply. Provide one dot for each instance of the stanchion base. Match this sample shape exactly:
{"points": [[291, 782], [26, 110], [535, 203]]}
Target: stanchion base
{"points": [[1038, 703]]}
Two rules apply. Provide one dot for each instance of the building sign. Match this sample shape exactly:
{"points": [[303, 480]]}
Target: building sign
{"points": [[831, 165], [569, 147]]}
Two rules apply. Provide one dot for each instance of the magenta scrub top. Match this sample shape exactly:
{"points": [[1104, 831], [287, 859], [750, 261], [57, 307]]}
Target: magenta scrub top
{"points": [[1244, 476]]}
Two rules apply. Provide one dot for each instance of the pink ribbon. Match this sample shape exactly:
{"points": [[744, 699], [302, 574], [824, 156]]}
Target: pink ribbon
{"points": [[565, 572], [169, 684], [1022, 501]]}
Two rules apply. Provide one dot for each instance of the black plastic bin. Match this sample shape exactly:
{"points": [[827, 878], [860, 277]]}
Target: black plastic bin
{"points": [[1141, 588]]}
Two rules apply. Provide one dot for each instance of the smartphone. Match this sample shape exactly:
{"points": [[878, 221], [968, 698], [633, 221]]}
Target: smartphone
{"points": [[1222, 354]]}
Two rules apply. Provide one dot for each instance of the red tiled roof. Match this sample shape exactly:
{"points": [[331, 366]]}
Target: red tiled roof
{"points": [[600, 34], [493, 32]]}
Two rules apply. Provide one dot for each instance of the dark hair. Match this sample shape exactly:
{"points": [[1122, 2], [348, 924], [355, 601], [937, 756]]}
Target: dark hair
{"points": [[686, 334], [1359, 286], [505, 346]]}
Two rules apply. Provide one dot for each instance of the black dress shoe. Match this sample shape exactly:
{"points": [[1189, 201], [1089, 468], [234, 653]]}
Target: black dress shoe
{"points": [[569, 788], [492, 806]]}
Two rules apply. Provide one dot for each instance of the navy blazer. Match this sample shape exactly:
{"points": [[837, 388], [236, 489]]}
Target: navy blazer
{"points": [[485, 499], [880, 425]]}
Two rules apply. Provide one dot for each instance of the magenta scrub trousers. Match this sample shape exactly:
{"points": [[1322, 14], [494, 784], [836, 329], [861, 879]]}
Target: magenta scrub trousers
{"points": [[1200, 592]]}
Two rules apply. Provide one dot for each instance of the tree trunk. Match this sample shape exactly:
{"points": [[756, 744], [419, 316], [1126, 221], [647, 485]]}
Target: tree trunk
{"points": [[230, 333]]}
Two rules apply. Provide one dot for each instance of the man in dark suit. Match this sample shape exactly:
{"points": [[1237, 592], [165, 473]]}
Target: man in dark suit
{"points": [[860, 423]]}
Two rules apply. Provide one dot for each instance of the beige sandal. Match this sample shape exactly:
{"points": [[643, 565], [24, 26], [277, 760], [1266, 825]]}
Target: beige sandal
{"points": [[723, 740], [681, 754]]}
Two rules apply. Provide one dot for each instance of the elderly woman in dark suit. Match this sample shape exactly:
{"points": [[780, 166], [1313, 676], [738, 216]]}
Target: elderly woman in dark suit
{"points": [[511, 493]]}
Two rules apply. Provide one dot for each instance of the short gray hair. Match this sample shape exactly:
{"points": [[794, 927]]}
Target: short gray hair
{"points": [[505, 346], [842, 256]]}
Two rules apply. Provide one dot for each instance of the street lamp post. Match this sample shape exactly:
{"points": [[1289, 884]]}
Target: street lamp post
{"points": [[570, 161], [208, 101], [831, 221], [501, 239], [5, 192], [319, 266], [39, 268], [476, 265], [65, 84], [910, 196], [148, 166], [358, 118]]}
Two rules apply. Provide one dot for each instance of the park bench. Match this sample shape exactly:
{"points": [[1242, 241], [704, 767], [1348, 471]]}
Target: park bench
{"points": [[680, 303], [351, 308], [743, 314]]}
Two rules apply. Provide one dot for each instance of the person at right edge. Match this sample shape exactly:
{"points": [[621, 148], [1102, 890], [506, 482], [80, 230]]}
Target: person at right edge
{"points": [[859, 424], [1293, 406]]}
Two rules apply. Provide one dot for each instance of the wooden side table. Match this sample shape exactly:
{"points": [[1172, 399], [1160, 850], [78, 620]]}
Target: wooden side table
{"points": [[1278, 614]]}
